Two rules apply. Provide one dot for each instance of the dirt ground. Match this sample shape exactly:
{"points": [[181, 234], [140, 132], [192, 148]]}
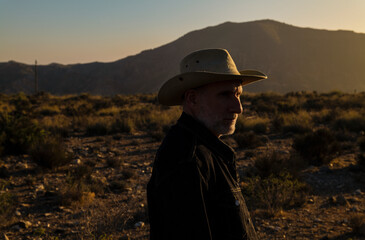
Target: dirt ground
{"points": [[338, 192]]}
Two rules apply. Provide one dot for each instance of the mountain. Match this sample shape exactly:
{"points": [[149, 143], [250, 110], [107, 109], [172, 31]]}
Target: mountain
{"points": [[294, 59]]}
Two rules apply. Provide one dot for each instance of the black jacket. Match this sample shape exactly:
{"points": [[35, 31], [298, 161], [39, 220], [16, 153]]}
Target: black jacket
{"points": [[194, 191]]}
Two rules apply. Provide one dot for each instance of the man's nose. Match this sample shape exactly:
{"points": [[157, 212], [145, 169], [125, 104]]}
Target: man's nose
{"points": [[236, 106]]}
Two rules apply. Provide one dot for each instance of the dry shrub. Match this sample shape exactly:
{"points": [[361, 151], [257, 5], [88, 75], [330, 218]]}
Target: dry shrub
{"points": [[6, 107], [80, 187], [48, 110], [248, 140], [275, 192], [79, 108], [58, 124], [275, 184], [264, 106], [351, 120], [325, 116], [50, 153], [357, 223], [104, 221], [110, 111], [317, 147], [123, 125], [7, 204], [314, 104], [274, 163], [258, 125], [98, 128], [300, 122], [18, 133], [157, 121]]}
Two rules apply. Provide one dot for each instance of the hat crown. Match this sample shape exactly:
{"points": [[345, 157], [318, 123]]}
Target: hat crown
{"points": [[209, 60]]}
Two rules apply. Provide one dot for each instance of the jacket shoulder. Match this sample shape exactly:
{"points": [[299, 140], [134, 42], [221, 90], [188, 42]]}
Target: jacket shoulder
{"points": [[178, 146]]}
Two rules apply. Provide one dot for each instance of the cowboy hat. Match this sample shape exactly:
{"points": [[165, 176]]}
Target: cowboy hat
{"points": [[203, 67]]}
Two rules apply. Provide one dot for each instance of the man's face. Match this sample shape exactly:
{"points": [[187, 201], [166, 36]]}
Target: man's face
{"points": [[218, 106]]}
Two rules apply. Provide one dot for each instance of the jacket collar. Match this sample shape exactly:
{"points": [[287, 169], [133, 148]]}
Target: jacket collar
{"points": [[206, 136]]}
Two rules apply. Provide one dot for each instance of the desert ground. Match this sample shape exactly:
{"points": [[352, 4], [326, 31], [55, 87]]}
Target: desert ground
{"points": [[76, 167]]}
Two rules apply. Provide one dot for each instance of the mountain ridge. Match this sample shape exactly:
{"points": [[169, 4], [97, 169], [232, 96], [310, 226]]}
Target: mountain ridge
{"points": [[294, 58]]}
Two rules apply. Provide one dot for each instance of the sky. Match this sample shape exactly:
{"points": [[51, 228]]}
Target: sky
{"points": [[81, 31]]}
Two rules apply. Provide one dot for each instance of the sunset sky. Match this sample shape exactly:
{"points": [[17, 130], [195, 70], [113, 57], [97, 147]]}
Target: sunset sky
{"points": [[80, 31]]}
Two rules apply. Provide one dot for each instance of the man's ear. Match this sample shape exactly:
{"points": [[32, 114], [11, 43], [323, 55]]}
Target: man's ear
{"points": [[191, 96]]}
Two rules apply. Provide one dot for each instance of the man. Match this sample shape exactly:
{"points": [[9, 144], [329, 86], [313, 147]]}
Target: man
{"points": [[194, 190]]}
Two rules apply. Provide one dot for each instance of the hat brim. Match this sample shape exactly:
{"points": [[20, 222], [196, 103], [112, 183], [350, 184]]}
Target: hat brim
{"points": [[171, 93]]}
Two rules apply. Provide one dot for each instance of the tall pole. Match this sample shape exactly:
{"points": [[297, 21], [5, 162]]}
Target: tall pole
{"points": [[35, 78]]}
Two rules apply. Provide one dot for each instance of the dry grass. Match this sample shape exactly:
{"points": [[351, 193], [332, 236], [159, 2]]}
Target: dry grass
{"points": [[7, 204], [259, 125]]}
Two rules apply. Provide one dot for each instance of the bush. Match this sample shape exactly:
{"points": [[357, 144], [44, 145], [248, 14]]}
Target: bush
{"points": [[104, 221], [18, 133], [247, 140], [123, 125], [275, 163], [258, 125], [297, 123], [317, 147], [275, 193], [97, 129], [48, 110], [351, 121], [80, 187], [50, 153], [357, 223], [7, 206]]}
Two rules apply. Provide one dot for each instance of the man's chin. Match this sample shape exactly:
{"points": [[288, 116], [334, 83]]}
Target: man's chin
{"points": [[226, 132]]}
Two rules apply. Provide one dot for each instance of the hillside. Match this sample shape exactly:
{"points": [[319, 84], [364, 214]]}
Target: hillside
{"points": [[294, 59]]}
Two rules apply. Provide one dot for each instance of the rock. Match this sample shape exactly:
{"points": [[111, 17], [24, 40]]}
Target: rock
{"points": [[139, 224], [358, 192], [77, 161], [21, 166], [26, 205], [341, 200], [318, 220], [39, 188]]}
